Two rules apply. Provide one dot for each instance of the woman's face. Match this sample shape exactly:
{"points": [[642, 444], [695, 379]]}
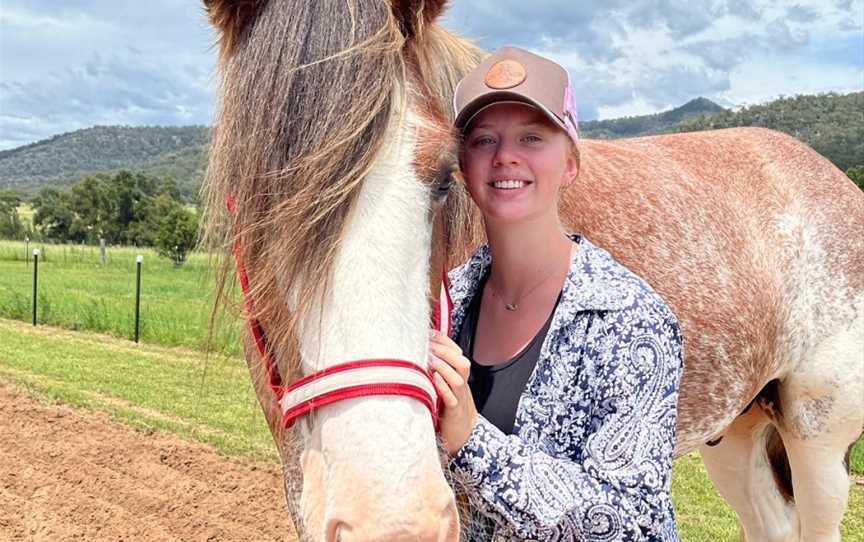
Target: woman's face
{"points": [[515, 160]]}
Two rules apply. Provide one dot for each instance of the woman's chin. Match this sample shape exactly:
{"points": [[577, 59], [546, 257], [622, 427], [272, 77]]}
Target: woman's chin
{"points": [[508, 214]]}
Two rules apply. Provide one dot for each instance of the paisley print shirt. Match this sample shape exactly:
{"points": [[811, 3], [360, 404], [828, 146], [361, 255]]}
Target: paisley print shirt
{"points": [[591, 453]]}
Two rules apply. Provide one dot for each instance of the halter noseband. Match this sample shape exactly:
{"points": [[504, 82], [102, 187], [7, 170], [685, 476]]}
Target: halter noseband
{"points": [[348, 380]]}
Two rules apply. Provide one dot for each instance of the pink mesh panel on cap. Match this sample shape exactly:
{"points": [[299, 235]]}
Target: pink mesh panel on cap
{"points": [[571, 123]]}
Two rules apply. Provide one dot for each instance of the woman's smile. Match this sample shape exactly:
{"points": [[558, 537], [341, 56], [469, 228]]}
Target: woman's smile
{"points": [[509, 184]]}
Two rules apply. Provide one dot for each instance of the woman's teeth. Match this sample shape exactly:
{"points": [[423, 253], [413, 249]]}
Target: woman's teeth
{"points": [[509, 184]]}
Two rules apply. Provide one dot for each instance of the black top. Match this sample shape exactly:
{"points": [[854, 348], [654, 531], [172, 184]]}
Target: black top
{"points": [[497, 388]]}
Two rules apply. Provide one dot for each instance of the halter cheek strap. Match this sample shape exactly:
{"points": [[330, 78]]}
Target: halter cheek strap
{"points": [[348, 380]]}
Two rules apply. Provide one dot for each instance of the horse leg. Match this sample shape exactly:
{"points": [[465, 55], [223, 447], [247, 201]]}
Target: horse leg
{"points": [[822, 413], [741, 467]]}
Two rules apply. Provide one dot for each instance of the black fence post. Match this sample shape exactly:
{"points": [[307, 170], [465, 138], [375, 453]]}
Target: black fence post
{"points": [[139, 259], [35, 280]]}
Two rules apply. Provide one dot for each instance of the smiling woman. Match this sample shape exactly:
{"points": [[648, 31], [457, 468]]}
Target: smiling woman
{"points": [[603, 459]]}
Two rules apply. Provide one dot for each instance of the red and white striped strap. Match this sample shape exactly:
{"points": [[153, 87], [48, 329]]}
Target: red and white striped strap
{"points": [[351, 379], [358, 379]]}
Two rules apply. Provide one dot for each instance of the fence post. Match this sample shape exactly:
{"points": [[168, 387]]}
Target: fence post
{"points": [[27, 252], [35, 280], [103, 252], [139, 259]]}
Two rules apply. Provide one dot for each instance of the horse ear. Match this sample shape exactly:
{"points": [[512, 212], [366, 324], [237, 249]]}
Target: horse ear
{"points": [[413, 15], [230, 17]]}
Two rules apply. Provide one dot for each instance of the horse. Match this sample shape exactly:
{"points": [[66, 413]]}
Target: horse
{"points": [[333, 145]]}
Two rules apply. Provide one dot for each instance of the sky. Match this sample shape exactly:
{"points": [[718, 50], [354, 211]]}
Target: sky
{"points": [[71, 64]]}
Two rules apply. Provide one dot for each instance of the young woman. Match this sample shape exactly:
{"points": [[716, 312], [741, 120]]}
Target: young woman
{"points": [[560, 384]]}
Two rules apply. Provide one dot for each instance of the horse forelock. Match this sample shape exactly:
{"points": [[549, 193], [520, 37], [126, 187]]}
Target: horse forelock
{"points": [[305, 100]]}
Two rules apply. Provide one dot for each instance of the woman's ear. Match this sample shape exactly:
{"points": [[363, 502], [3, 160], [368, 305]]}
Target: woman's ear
{"points": [[571, 168]]}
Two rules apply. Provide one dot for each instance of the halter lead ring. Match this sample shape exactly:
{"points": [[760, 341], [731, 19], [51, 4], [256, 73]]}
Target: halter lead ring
{"points": [[347, 380]]}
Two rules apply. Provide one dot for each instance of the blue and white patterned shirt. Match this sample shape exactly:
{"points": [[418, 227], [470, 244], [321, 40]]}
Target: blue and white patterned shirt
{"points": [[590, 457]]}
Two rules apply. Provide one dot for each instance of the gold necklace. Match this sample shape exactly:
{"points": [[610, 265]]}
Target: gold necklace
{"points": [[514, 305]]}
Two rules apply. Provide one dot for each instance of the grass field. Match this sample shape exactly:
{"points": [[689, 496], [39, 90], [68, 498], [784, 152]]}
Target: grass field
{"points": [[178, 390], [77, 292]]}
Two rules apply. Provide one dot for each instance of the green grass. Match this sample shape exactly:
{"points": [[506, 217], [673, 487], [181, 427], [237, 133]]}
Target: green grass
{"points": [[176, 390], [172, 389], [856, 457], [77, 292]]}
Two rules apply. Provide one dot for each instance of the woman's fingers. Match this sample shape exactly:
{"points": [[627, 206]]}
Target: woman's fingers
{"points": [[444, 391], [453, 378], [453, 357]]}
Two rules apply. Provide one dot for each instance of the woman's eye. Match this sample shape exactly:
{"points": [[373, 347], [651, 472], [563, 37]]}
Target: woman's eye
{"points": [[484, 140], [532, 138]]}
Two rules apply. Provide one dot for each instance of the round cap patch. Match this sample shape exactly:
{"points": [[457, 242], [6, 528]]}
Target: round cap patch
{"points": [[505, 74]]}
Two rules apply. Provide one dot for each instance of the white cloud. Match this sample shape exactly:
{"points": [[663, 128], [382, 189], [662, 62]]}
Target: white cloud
{"points": [[68, 65]]}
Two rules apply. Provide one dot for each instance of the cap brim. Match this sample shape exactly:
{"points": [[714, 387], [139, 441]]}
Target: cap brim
{"points": [[473, 108]]}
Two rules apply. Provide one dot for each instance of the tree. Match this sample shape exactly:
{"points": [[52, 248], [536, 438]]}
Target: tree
{"points": [[94, 202], [53, 214], [857, 175], [10, 222], [178, 232], [149, 213], [169, 187]]}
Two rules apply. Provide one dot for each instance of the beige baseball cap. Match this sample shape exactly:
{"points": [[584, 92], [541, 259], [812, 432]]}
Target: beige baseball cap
{"points": [[511, 74]]}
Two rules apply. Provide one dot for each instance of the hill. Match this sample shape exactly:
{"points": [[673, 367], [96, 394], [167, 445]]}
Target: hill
{"points": [[833, 124], [658, 123], [157, 150], [830, 123]]}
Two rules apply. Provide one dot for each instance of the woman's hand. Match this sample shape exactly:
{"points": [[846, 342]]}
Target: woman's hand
{"points": [[450, 375]]}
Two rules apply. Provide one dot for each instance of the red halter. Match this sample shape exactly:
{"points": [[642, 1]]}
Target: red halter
{"points": [[350, 379]]}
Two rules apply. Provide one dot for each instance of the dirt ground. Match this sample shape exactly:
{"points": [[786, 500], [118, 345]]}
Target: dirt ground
{"points": [[67, 474]]}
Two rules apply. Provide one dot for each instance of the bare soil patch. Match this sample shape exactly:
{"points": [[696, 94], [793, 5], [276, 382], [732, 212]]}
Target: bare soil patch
{"points": [[67, 474]]}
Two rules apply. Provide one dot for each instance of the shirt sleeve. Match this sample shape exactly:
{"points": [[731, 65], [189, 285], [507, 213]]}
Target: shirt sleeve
{"points": [[618, 489]]}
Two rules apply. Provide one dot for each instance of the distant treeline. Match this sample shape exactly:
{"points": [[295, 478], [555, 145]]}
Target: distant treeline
{"points": [[123, 209], [643, 125], [833, 124], [179, 152]]}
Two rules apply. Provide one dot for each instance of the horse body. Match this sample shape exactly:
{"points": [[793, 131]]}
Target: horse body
{"points": [[757, 243], [753, 239], [332, 138]]}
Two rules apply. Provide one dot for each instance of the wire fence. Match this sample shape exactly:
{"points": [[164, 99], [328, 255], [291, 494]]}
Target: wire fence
{"points": [[123, 291]]}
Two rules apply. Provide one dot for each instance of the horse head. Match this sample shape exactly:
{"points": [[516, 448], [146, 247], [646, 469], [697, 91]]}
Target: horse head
{"points": [[334, 145]]}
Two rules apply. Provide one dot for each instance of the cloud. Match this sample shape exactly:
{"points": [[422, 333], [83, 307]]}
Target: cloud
{"points": [[102, 63], [660, 53], [72, 64]]}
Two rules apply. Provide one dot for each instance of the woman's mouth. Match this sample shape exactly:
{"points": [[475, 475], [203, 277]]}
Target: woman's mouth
{"points": [[509, 184]]}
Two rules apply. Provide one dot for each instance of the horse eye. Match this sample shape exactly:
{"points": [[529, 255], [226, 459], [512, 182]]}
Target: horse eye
{"points": [[441, 186]]}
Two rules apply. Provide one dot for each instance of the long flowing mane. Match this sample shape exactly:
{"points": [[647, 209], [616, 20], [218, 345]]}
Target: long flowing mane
{"points": [[304, 103]]}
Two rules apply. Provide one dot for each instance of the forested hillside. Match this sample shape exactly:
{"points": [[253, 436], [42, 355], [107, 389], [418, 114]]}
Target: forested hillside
{"points": [[833, 124], [659, 123], [155, 150]]}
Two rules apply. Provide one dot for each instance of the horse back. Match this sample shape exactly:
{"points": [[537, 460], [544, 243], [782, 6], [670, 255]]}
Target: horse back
{"points": [[754, 240]]}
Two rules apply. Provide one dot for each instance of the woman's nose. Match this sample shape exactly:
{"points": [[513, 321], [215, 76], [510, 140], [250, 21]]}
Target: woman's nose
{"points": [[504, 155]]}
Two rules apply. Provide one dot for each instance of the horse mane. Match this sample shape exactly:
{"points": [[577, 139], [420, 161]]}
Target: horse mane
{"points": [[439, 59], [304, 103]]}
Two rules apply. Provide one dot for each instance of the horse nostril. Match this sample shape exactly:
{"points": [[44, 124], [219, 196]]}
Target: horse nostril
{"points": [[449, 524], [334, 531]]}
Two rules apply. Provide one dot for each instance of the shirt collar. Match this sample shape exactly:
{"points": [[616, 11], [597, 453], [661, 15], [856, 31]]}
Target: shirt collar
{"points": [[592, 284]]}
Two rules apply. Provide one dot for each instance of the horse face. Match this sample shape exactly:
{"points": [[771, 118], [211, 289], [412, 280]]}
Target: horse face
{"points": [[334, 158], [371, 467]]}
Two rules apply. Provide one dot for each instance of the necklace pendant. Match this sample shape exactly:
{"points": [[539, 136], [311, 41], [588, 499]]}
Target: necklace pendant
{"points": [[511, 306]]}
